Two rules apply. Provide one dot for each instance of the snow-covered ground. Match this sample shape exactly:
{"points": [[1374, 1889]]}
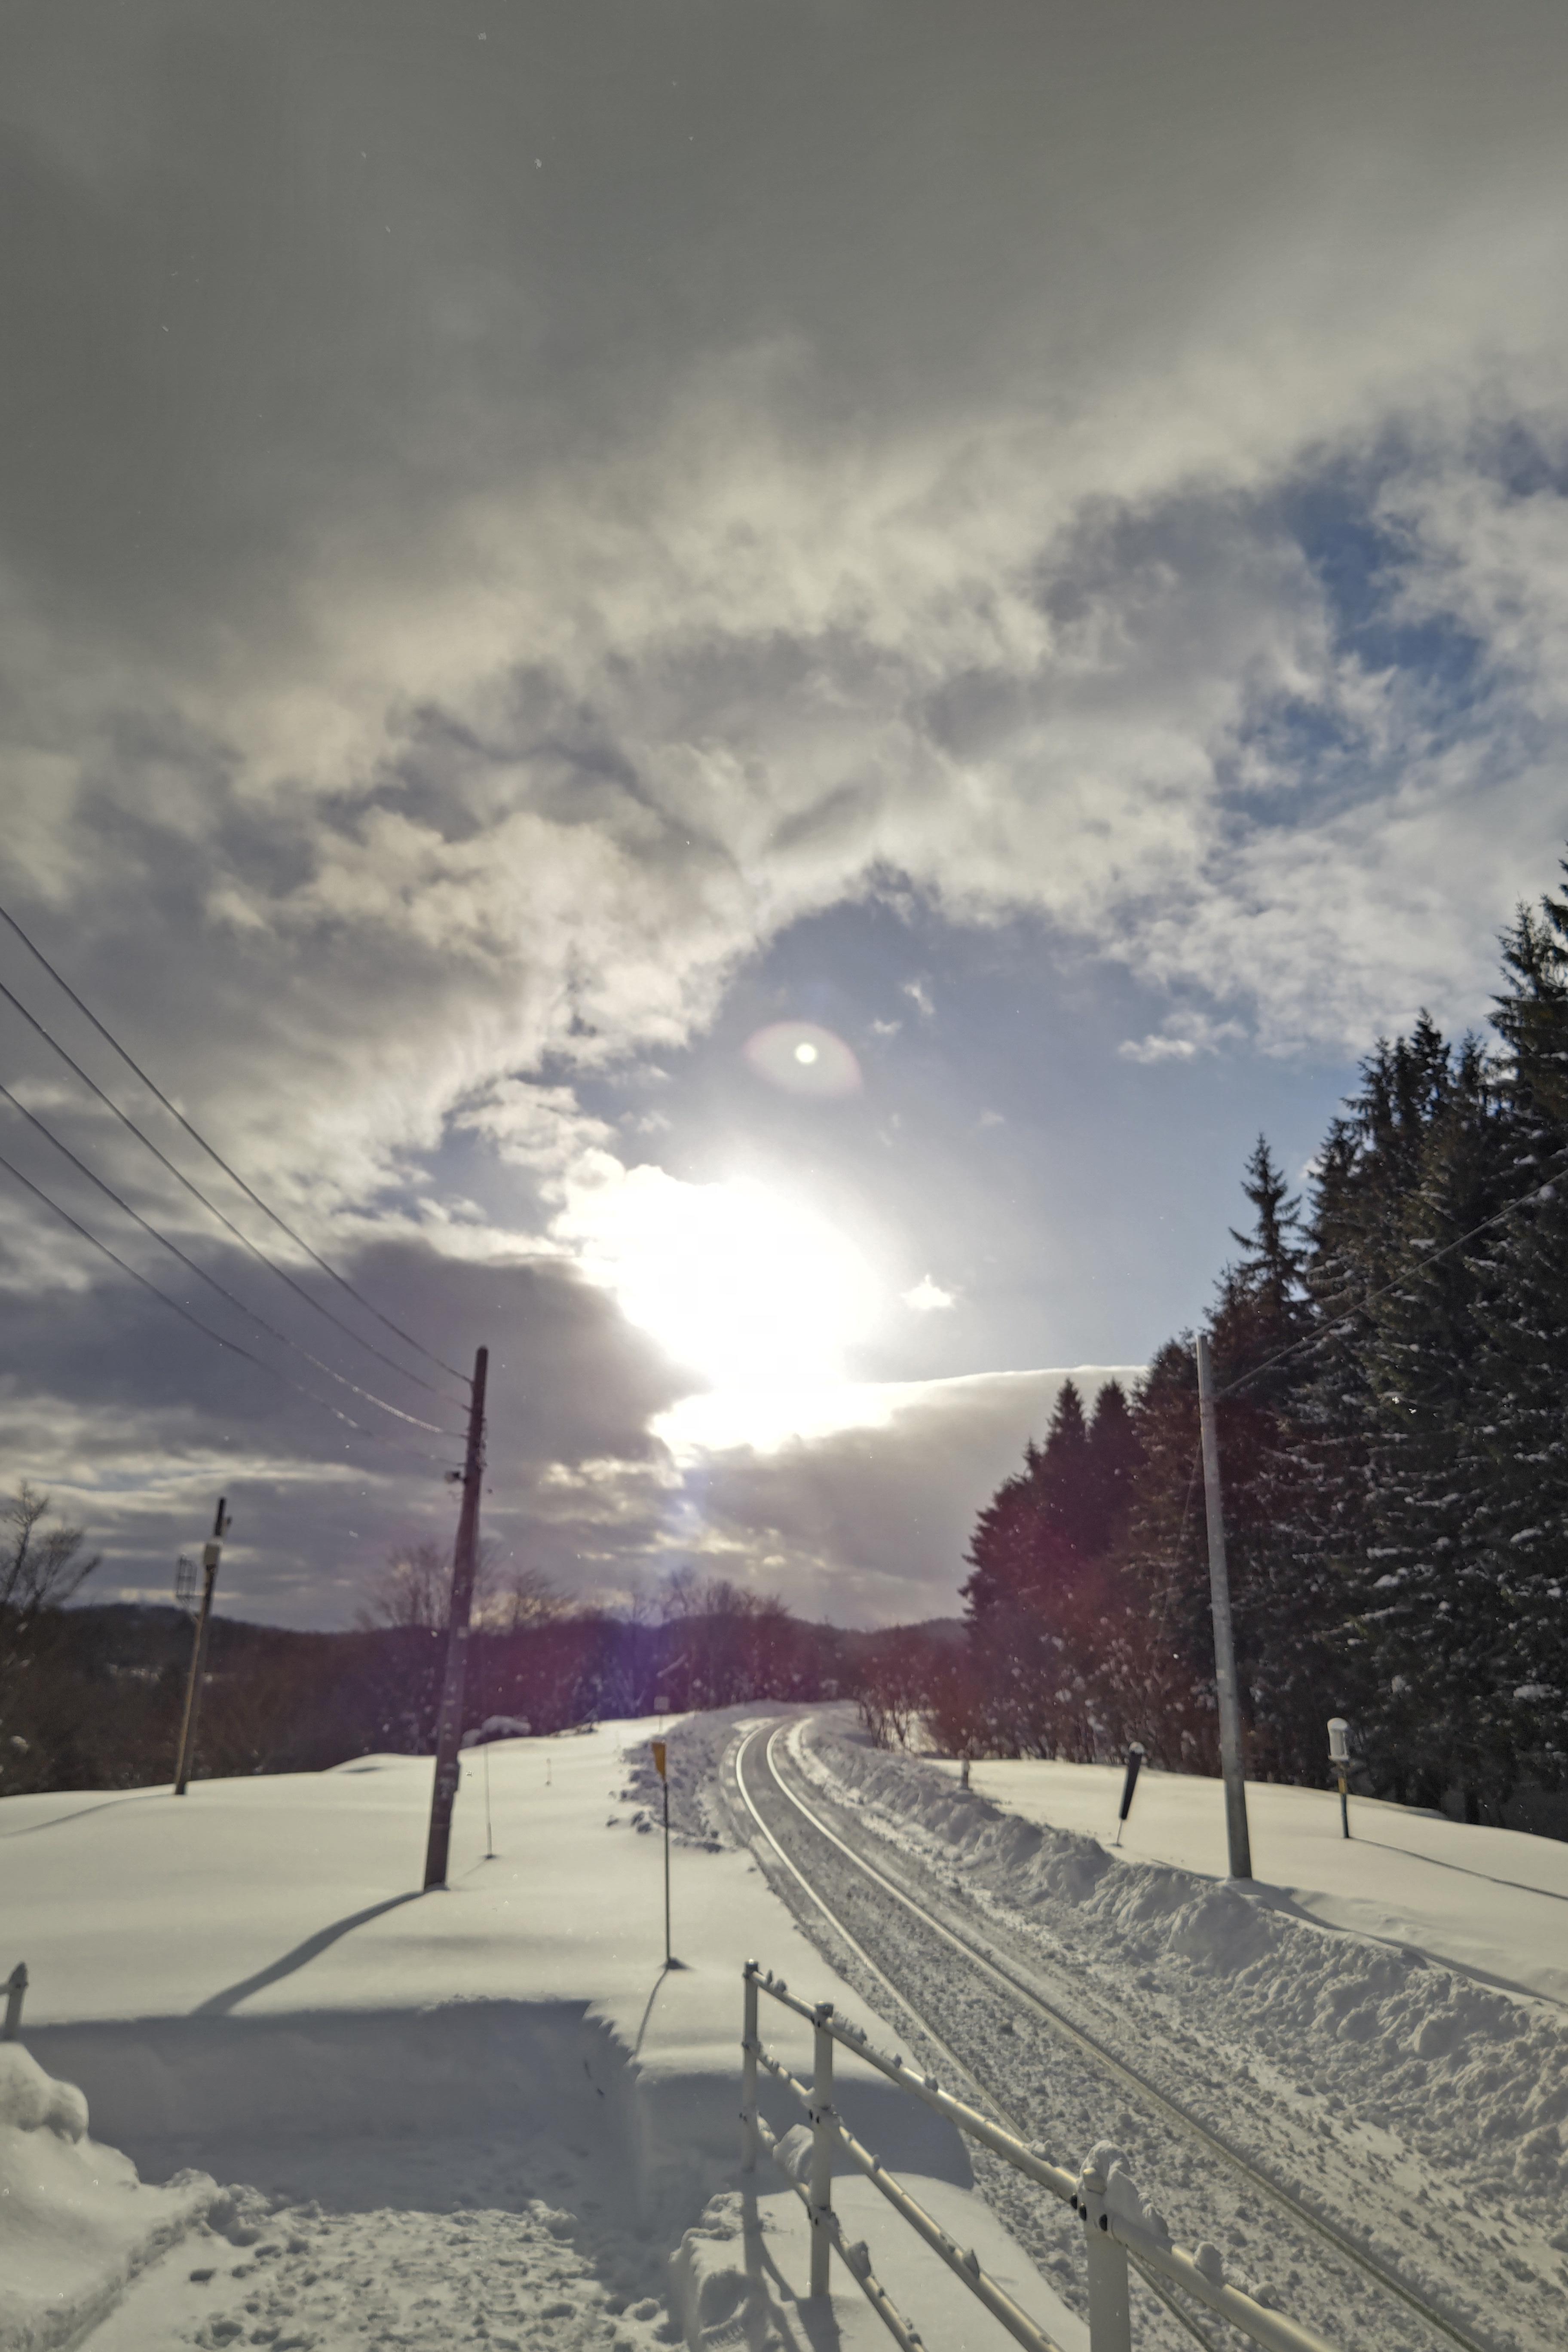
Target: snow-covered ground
{"points": [[1492, 1903], [486, 2115], [378, 2117], [1350, 2022]]}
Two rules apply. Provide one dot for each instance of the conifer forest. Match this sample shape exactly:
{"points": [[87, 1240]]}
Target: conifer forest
{"points": [[1391, 1361]]}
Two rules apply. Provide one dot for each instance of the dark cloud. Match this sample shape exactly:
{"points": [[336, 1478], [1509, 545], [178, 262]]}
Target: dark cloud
{"points": [[129, 1416], [507, 515]]}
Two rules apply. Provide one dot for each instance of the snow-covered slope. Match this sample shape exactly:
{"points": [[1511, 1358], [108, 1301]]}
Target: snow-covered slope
{"points": [[484, 2111], [1491, 1902]]}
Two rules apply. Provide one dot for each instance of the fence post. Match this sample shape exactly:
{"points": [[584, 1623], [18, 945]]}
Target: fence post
{"points": [[749, 2037], [822, 2151], [15, 1986], [1110, 2319]]}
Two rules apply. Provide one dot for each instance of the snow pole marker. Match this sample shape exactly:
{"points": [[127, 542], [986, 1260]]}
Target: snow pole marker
{"points": [[1340, 1757], [660, 1759], [1134, 1766]]}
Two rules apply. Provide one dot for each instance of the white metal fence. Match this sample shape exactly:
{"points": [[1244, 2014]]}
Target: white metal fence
{"points": [[1119, 2229]]}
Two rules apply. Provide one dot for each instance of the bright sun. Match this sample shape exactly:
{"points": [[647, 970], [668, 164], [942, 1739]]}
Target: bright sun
{"points": [[750, 1288]]}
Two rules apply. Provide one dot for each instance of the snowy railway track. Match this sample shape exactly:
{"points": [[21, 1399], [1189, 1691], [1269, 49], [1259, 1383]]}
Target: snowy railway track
{"points": [[755, 1753]]}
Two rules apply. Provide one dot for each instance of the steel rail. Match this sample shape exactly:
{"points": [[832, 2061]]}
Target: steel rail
{"points": [[1147, 2254], [978, 1955]]}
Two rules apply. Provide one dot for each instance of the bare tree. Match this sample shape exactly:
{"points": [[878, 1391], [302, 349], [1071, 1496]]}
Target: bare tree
{"points": [[40, 1567], [414, 1589], [515, 1598]]}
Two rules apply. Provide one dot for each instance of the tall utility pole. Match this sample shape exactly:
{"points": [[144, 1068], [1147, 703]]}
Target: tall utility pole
{"points": [[1230, 1755], [212, 1552], [449, 1726]]}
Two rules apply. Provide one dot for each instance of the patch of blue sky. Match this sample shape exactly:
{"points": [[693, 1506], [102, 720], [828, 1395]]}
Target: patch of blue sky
{"points": [[1360, 559]]}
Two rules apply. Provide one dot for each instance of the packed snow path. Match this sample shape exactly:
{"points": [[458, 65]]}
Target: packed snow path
{"points": [[1496, 2275]]}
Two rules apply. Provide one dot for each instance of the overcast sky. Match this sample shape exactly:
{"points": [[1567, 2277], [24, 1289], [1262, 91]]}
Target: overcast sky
{"points": [[730, 690]]}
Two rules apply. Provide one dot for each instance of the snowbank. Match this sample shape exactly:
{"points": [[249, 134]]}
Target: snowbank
{"points": [[1492, 1903], [77, 2222], [1466, 2072]]}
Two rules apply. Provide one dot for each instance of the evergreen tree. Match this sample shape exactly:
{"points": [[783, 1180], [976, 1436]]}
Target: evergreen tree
{"points": [[1428, 1622], [1114, 1457], [1520, 1532]]}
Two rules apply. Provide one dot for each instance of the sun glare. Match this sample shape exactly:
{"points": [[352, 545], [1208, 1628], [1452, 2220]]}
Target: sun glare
{"points": [[747, 1287]]}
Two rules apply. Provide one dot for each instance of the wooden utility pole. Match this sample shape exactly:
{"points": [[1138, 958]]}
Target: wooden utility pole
{"points": [[212, 1552], [449, 1725], [1230, 1755]]}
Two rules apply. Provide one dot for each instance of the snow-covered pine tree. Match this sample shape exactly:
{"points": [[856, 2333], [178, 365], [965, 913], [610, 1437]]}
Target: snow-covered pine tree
{"points": [[1370, 1166], [1114, 1455], [1054, 1641], [1520, 1522], [1427, 1602]]}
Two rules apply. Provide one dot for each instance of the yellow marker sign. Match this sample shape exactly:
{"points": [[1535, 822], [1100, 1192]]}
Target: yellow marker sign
{"points": [[659, 1757]]}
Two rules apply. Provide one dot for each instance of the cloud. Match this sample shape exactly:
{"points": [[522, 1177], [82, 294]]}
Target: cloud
{"points": [[1184, 1036], [928, 1298], [869, 1523], [456, 615], [135, 1425]]}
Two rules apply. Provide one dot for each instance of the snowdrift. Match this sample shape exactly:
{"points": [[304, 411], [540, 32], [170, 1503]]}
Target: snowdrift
{"points": [[1448, 2063], [76, 2224]]}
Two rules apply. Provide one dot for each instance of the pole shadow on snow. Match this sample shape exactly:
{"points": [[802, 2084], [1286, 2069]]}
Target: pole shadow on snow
{"points": [[1489, 1879], [221, 2003]]}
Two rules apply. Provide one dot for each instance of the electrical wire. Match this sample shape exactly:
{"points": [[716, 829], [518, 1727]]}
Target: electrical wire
{"points": [[435, 1428], [227, 1222], [383, 1436], [234, 1175], [1315, 1338]]}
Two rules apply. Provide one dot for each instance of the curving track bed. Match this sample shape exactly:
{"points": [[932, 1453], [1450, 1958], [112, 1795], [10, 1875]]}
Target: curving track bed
{"points": [[1388, 2256]]}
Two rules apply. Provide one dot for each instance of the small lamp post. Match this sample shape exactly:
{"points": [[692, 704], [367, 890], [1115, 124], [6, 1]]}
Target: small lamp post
{"points": [[1340, 1757]]}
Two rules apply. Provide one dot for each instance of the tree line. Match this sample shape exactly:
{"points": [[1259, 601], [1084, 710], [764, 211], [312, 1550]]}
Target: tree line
{"points": [[1391, 1362], [93, 1696], [1391, 1358]]}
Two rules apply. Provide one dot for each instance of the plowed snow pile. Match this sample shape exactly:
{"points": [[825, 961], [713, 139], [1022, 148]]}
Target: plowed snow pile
{"points": [[1471, 2074], [75, 2221]]}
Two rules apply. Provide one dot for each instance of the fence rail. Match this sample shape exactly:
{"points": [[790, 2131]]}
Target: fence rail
{"points": [[1118, 2228]]}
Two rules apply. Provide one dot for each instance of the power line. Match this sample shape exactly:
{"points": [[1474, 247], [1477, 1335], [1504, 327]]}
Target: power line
{"points": [[196, 1193], [213, 1283], [341, 1281], [205, 1329], [1316, 1339]]}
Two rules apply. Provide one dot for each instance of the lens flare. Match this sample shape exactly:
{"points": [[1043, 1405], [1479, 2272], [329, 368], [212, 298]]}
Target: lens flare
{"points": [[803, 1059]]}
